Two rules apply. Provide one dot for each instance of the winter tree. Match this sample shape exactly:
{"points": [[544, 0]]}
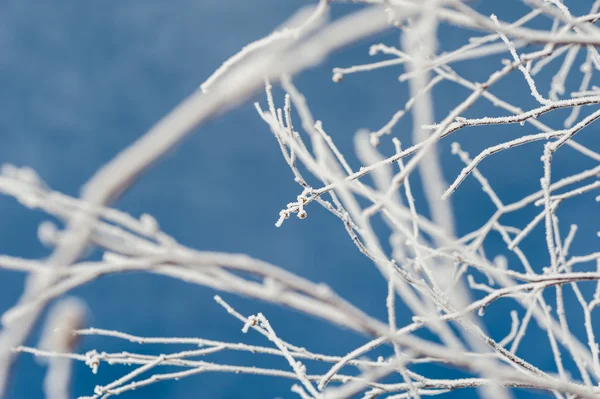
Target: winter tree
{"points": [[464, 294]]}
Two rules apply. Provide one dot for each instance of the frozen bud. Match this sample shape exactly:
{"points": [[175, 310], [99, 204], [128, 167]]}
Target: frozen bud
{"points": [[501, 262], [283, 214], [455, 148], [48, 233], [585, 68], [251, 322], [323, 290], [374, 140], [92, 360], [149, 224]]}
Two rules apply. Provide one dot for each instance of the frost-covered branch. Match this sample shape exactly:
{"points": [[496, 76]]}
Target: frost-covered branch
{"points": [[446, 283]]}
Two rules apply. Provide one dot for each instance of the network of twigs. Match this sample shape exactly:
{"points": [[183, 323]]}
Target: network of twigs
{"points": [[436, 274]]}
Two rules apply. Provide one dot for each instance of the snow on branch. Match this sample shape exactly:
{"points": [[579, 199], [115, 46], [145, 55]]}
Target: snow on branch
{"points": [[445, 282]]}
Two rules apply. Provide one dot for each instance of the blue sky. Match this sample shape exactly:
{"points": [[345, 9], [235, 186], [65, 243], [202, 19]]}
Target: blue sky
{"points": [[80, 81]]}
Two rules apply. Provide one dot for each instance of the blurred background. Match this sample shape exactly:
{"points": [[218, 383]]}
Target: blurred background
{"points": [[79, 81]]}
